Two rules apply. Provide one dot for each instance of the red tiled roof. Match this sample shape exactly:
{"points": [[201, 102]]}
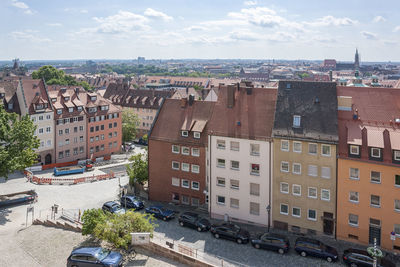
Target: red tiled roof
{"points": [[354, 134]]}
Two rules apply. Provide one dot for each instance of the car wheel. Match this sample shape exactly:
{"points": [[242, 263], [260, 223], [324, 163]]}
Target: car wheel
{"points": [[353, 265], [281, 251], [164, 219], [303, 254], [181, 224], [216, 236], [199, 229], [329, 259], [257, 246], [239, 241]]}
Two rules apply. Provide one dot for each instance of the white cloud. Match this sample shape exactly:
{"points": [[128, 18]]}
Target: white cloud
{"points": [[369, 35], [54, 24], [332, 21], [29, 35], [245, 36], [378, 19], [151, 13], [250, 3], [18, 4], [396, 29], [83, 11], [196, 28]]}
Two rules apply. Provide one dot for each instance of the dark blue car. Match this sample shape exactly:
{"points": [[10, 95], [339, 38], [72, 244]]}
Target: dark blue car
{"points": [[131, 202], [161, 212], [94, 256], [315, 248]]}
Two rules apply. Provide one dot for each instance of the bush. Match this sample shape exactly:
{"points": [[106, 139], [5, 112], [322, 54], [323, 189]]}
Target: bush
{"points": [[90, 219]]}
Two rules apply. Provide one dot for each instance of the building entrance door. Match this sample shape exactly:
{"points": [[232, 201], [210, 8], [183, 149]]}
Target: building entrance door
{"points": [[47, 159], [374, 231], [328, 223]]}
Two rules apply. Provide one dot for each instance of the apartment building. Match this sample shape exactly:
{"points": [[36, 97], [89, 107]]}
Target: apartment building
{"points": [[177, 152], [8, 96], [305, 137], [144, 103], [70, 122], [240, 153], [33, 100], [369, 166]]}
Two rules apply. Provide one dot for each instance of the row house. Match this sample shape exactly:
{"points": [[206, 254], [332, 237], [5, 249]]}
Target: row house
{"points": [[369, 166], [8, 96], [70, 123], [144, 103], [177, 152], [240, 152], [33, 101], [305, 137]]}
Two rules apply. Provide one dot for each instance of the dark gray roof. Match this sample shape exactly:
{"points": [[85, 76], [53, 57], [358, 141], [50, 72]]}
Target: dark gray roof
{"points": [[315, 102]]}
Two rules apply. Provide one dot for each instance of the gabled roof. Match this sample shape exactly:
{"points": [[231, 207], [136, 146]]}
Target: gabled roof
{"points": [[33, 91], [315, 103]]}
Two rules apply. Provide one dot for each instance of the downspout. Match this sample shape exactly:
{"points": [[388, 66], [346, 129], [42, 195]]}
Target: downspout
{"points": [[209, 180], [270, 182], [336, 184]]}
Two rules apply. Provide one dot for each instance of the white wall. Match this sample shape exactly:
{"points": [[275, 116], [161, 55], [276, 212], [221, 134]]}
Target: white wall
{"points": [[243, 175], [48, 121]]}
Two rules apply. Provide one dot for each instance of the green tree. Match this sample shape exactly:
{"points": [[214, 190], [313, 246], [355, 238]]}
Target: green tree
{"points": [[17, 143], [129, 123], [138, 169], [90, 219]]}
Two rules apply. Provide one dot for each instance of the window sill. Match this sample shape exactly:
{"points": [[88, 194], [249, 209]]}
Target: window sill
{"points": [[353, 178], [255, 154], [222, 167], [373, 182], [235, 169], [375, 206], [284, 171], [235, 207], [312, 197], [220, 185], [325, 177], [234, 149], [255, 173], [311, 219], [284, 150], [353, 225], [312, 154], [284, 192], [222, 148], [354, 202], [235, 188], [284, 213], [221, 204]]}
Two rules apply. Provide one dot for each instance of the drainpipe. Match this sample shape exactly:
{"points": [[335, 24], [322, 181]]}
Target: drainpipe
{"points": [[209, 180], [336, 184], [270, 181]]}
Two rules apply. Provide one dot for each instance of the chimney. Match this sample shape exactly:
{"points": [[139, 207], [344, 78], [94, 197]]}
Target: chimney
{"points": [[191, 100], [231, 95], [183, 102]]}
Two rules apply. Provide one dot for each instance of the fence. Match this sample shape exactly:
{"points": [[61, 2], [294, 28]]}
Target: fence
{"points": [[93, 178], [72, 215]]}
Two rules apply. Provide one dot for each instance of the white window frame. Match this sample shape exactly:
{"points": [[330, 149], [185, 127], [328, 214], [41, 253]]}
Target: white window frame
{"points": [[308, 215], [374, 205], [288, 145], [234, 168], [194, 166], [358, 172], [196, 135], [297, 216], [195, 154], [234, 206], [316, 150], [280, 208], [288, 169], [375, 149], [221, 203], [220, 166], [357, 148], [221, 179], [396, 155], [295, 119], [234, 148], [185, 153], [313, 167], [176, 180], [232, 186], [322, 150], [281, 186], [351, 223], [183, 181], [358, 197], [293, 190], [184, 133], [257, 173], [198, 185], [294, 145], [221, 144], [174, 147], [296, 164], [322, 194], [322, 172], [316, 192], [184, 168], [380, 177], [172, 165], [253, 153], [397, 209]]}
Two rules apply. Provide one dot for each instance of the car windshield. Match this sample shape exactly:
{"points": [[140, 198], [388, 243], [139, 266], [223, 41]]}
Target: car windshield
{"points": [[164, 210], [116, 207], [103, 254]]}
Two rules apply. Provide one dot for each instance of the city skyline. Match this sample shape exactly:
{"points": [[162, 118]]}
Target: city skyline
{"points": [[207, 30]]}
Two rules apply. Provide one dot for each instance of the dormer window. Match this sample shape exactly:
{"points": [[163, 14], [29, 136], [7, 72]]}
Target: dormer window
{"points": [[288, 86], [375, 152], [396, 155], [93, 98], [92, 110], [296, 120], [354, 150], [70, 110], [79, 108], [53, 99], [59, 111], [66, 98], [196, 135], [39, 106], [104, 107], [185, 133]]}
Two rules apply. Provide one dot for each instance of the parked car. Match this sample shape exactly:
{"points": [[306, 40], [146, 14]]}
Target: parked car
{"points": [[193, 220], [307, 246], [161, 212], [269, 241], [131, 202], [113, 207], [231, 232], [357, 257], [94, 256], [18, 198]]}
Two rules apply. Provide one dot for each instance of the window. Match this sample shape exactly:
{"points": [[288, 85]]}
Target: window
{"points": [[110, 145], [326, 150], [185, 133], [109, 125], [296, 190], [75, 129], [70, 110], [353, 219], [97, 148], [375, 201], [196, 135], [284, 209], [326, 172], [220, 181], [221, 144], [397, 180], [48, 142], [48, 129], [375, 152], [115, 124], [175, 165], [397, 205], [396, 155], [175, 181], [296, 168], [195, 201], [297, 147], [185, 183], [60, 132], [296, 121], [185, 167], [115, 143], [221, 163], [195, 168], [195, 152], [234, 203], [254, 208], [91, 150], [59, 111], [285, 145], [109, 135], [66, 153], [254, 149], [101, 147], [354, 150], [48, 117], [67, 141], [397, 229], [185, 200], [254, 189], [220, 200], [67, 131], [195, 185], [375, 177], [60, 155], [80, 138], [235, 184], [91, 129], [91, 139], [353, 196], [41, 130], [234, 146], [81, 149], [102, 127], [255, 169], [312, 192], [284, 166], [312, 149], [115, 134], [97, 138], [296, 212], [185, 150], [313, 170], [102, 136], [312, 215], [60, 143], [325, 194], [75, 151], [284, 188], [354, 173]]}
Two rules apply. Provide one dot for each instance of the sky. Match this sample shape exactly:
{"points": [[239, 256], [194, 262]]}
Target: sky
{"points": [[205, 29]]}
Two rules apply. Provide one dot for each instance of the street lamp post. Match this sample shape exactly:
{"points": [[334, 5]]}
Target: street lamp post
{"points": [[269, 212]]}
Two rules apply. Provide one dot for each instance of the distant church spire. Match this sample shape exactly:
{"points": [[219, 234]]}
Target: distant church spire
{"points": [[357, 61]]}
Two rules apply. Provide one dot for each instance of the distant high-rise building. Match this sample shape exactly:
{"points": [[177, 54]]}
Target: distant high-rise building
{"points": [[141, 60], [357, 60]]}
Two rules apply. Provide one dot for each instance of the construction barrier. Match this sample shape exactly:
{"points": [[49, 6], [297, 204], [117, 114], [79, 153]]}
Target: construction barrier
{"points": [[94, 178], [63, 164]]}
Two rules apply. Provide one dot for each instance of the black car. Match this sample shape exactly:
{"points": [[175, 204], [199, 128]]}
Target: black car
{"points": [[231, 232], [361, 258], [94, 256], [161, 212], [131, 202], [193, 220], [269, 241], [308, 246], [113, 207]]}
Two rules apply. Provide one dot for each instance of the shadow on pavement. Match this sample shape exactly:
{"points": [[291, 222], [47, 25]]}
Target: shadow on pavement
{"points": [[4, 213]]}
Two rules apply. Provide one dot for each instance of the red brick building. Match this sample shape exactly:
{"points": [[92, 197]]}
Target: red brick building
{"points": [[177, 152]]}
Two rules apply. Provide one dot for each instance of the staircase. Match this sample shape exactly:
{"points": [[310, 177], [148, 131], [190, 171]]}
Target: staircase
{"points": [[59, 223]]}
